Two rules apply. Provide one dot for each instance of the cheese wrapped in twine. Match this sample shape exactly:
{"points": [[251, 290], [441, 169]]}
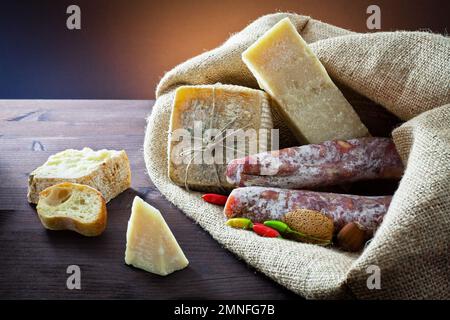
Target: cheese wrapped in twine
{"points": [[406, 74], [210, 126]]}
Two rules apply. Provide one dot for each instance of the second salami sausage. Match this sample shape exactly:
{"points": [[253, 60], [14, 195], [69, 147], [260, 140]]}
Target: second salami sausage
{"points": [[260, 204]]}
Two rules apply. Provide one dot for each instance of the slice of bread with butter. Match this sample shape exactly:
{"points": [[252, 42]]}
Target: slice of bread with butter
{"points": [[108, 171], [72, 206]]}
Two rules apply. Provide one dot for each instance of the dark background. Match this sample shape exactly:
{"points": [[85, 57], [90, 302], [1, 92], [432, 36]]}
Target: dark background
{"points": [[124, 47]]}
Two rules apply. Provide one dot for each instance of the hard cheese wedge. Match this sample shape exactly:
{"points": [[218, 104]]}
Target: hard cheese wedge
{"points": [[151, 246], [288, 70]]}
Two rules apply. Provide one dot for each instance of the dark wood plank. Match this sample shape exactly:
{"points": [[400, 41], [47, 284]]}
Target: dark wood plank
{"points": [[34, 260]]}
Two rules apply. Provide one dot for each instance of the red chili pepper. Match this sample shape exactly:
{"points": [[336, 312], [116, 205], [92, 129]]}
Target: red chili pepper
{"points": [[265, 231], [215, 198]]}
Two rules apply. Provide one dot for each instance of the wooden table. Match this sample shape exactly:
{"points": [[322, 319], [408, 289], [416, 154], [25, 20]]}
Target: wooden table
{"points": [[34, 261]]}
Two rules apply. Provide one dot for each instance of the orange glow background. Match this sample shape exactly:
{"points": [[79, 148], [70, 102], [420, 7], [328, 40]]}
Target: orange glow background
{"points": [[165, 33], [125, 47]]}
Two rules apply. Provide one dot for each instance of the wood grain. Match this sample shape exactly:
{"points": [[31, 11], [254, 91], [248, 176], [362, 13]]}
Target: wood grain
{"points": [[34, 260]]}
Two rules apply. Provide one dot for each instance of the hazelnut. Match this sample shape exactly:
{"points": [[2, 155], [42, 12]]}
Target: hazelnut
{"points": [[351, 237]]}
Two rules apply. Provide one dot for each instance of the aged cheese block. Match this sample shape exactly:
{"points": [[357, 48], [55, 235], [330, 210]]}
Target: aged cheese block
{"points": [[206, 123], [288, 70], [108, 171], [151, 245]]}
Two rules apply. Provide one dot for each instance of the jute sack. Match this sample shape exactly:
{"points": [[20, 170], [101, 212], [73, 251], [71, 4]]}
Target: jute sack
{"points": [[408, 73]]}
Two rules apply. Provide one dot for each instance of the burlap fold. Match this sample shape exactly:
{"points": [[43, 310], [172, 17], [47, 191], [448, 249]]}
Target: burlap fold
{"points": [[408, 73]]}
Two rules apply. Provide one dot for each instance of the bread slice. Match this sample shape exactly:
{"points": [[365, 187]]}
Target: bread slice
{"points": [[72, 206], [108, 171]]}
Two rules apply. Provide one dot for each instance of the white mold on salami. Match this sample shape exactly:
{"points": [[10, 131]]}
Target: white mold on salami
{"points": [[260, 204], [318, 165]]}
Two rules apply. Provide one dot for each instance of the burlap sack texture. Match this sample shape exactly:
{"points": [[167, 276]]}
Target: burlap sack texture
{"points": [[406, 72]]}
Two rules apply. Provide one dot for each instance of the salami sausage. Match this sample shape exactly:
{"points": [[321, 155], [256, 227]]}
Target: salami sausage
{"points": [[260, 204], [317, 165]]}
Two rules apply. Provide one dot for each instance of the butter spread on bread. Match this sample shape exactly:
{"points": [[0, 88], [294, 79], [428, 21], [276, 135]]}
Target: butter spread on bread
{"points": [[108, 171]]}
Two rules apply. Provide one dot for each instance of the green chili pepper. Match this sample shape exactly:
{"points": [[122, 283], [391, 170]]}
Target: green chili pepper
{"points": [[285, 229], [240, 223], [279, 226]]}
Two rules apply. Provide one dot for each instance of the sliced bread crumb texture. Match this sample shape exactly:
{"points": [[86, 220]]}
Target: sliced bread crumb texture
{"points": [[108, 171], [72, 206]]}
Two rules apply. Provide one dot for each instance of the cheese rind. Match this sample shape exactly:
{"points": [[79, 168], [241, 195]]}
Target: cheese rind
{"points": [[151, 245], [220, 107], [287, 69]]}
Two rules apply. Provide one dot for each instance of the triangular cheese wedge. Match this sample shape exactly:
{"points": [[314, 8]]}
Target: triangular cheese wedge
{"points": [[151, 245]]}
